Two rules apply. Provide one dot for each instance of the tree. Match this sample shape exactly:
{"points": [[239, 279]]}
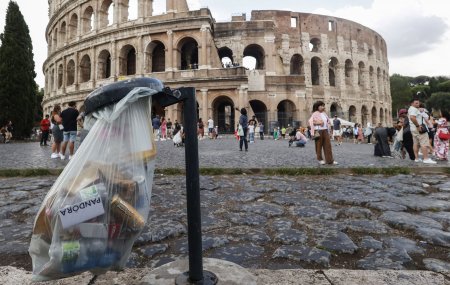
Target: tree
{"points": [[439, 101], [400, 92], [17, 85], [444, 86], [38, 111]]}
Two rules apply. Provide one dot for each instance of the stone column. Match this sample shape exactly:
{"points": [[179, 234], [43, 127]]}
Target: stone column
{"points": [[148, 8], [76, 71], [204, 104], [116, 16], [169, 51], [78, 36], [270, 52], [139, 57], [114, 59], [93, 65], [141, 9], [203, 64], [63, 87]]}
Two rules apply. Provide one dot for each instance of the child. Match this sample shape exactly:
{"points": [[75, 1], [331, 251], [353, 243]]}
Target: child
{"points": [[251, 131], [275, 133]]}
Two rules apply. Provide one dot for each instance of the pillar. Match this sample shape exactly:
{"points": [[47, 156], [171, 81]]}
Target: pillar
{"points": [[204, 112], [270, 52], [203, 64], [169, 51]]}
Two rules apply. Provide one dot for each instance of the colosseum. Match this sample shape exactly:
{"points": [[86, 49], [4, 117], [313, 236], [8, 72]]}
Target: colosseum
{"points": [[295, 59]]}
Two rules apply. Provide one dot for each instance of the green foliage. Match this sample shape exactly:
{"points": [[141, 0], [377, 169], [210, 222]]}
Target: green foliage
{"points": [[29, 172], [400, 92], [17, 85], [38, 111], [444, 86], [439, 101], [384, 171]]}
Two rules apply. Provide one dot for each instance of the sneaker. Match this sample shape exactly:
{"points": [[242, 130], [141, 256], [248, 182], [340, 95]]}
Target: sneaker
{"points": [[335, 162], [62, 156], [429, 161], [418, 160], [54, 155], [322, 162], [420, 153], [70, 157]]}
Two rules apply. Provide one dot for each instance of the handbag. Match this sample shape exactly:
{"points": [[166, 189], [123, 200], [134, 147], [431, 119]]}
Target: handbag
{"points": [[423, 128], [240, 131], [444, 136], [316, 135]]}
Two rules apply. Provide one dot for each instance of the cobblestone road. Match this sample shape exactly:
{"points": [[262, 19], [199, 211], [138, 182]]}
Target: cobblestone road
{"points": [[219, 153], [368, 222]]}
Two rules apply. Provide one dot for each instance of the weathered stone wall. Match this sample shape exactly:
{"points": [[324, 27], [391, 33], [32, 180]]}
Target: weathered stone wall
{"points": [[300, 58]]}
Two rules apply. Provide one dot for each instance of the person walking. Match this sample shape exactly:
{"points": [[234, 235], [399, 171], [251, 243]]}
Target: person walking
{"points": [[210, 127], [57, 132], [45, 129], [163, 129], [408, 143], [383, 136], [442, 137], [156, 124], [368, 133], [337, 130], [261, 131], [169, 129], [419, 132], [243, 123], [320, 124], [251, 132], [201, 129], [69, 121]]}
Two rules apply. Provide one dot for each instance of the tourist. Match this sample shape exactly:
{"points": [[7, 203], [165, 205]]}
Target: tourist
{"points": [[283, 132], [383, 137], [254, 120], [243, 123], [355, 133], [397, 147], [69, 120], [441, 138], [360, 134], [300, 139], [156, 124], [368, 132], [163, 129], [337, 130], [261, 131], [200, 129], [320, 124], [251, 131], [169, 129], [407, 136], [57, 132], [275, 133], [210, 128], [419, 132], [45, 129]]}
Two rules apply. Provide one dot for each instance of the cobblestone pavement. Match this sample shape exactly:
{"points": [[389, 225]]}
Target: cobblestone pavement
{"points": [[353, 222], [220, 153]]}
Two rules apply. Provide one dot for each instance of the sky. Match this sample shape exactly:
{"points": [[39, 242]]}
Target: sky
{"points": [[417, 32]]}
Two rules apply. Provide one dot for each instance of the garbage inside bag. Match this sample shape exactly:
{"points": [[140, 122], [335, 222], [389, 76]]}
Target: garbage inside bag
{"points": [[99, 204]]}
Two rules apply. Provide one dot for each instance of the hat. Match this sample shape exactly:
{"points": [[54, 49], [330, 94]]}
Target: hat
{"points": [[402, 111]]}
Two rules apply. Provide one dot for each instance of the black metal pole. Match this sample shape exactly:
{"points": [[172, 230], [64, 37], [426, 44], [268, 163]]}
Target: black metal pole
{"points": [[193, 188]]}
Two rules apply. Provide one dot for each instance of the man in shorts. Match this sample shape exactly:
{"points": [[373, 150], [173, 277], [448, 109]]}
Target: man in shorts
{"points": [[69, 121], [337, 130], [418, 132]]}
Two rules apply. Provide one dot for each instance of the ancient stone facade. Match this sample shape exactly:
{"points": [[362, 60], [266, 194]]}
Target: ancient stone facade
{"points": [[299, 58]]}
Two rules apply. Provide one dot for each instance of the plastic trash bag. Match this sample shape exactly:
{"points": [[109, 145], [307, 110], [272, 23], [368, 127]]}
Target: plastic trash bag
{"points": [[99, 204]]}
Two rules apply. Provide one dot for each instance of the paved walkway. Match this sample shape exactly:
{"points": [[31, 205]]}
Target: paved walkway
{"points": [[260, 222], [220, 153]]}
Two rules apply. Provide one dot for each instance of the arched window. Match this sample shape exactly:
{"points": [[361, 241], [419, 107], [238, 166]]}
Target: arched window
{"points": [[372, 79], [223, 114], [132, 9], [374, 116], [332, 70], [314, 45], [85, 69], [55, 39], [73, 26], [361, 67], [226, 57], [62, 33], [297, 65], [156, 57], [104, 64], [260, 111], [316, 70], [257, 52], [127, 60], [70, 72], [335, 109], [348, 72], [382, 116], [189, 54], [364, 115], [88, 20], [286, 113], [352, 114], [105, 14], [60, 76]]}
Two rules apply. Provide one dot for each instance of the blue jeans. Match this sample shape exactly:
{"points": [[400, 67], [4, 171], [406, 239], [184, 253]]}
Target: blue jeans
{"points": [[300, 143], [70, 136], [252, 137]]}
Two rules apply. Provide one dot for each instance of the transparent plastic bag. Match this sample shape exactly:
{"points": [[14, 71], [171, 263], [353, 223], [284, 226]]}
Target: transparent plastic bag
{"points": [[99, 204]]}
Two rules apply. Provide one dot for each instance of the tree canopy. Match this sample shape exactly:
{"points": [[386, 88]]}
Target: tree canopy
{"points": [[17, 85]]}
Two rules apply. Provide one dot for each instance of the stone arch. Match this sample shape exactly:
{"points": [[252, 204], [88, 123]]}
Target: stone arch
{"points": [[85, 68], [87, 21], [361, 67], [352, 114], [223, 114], [55, 39], [258, 53], [260, 111], [226, 56], [297, 65], [103, 13], [332, 70], [374, 116], [335, 109], [316, 71], [180, 111], [188, 53], [50, 42], [73, 26], [348, 72], [70, 73], [364, 115], [379, 81], [382, 117], [127, 60], [62, 33], [286, 113], [104, 65], [156, 56], [315, 45], [60, 75]]}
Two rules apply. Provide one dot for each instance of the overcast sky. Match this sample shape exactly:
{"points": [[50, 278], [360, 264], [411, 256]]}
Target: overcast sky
{"points": [[417, 32]]}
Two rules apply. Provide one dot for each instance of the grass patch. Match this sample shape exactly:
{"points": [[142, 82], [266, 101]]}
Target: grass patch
{"points": [[447, 170], [384, 171], [28, 172], [299, 171], [170, 171]]}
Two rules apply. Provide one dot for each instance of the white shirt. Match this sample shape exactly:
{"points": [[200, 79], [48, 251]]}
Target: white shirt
{"points": [[413, 111], [210, 124], [325, 122], [251, 128]]}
